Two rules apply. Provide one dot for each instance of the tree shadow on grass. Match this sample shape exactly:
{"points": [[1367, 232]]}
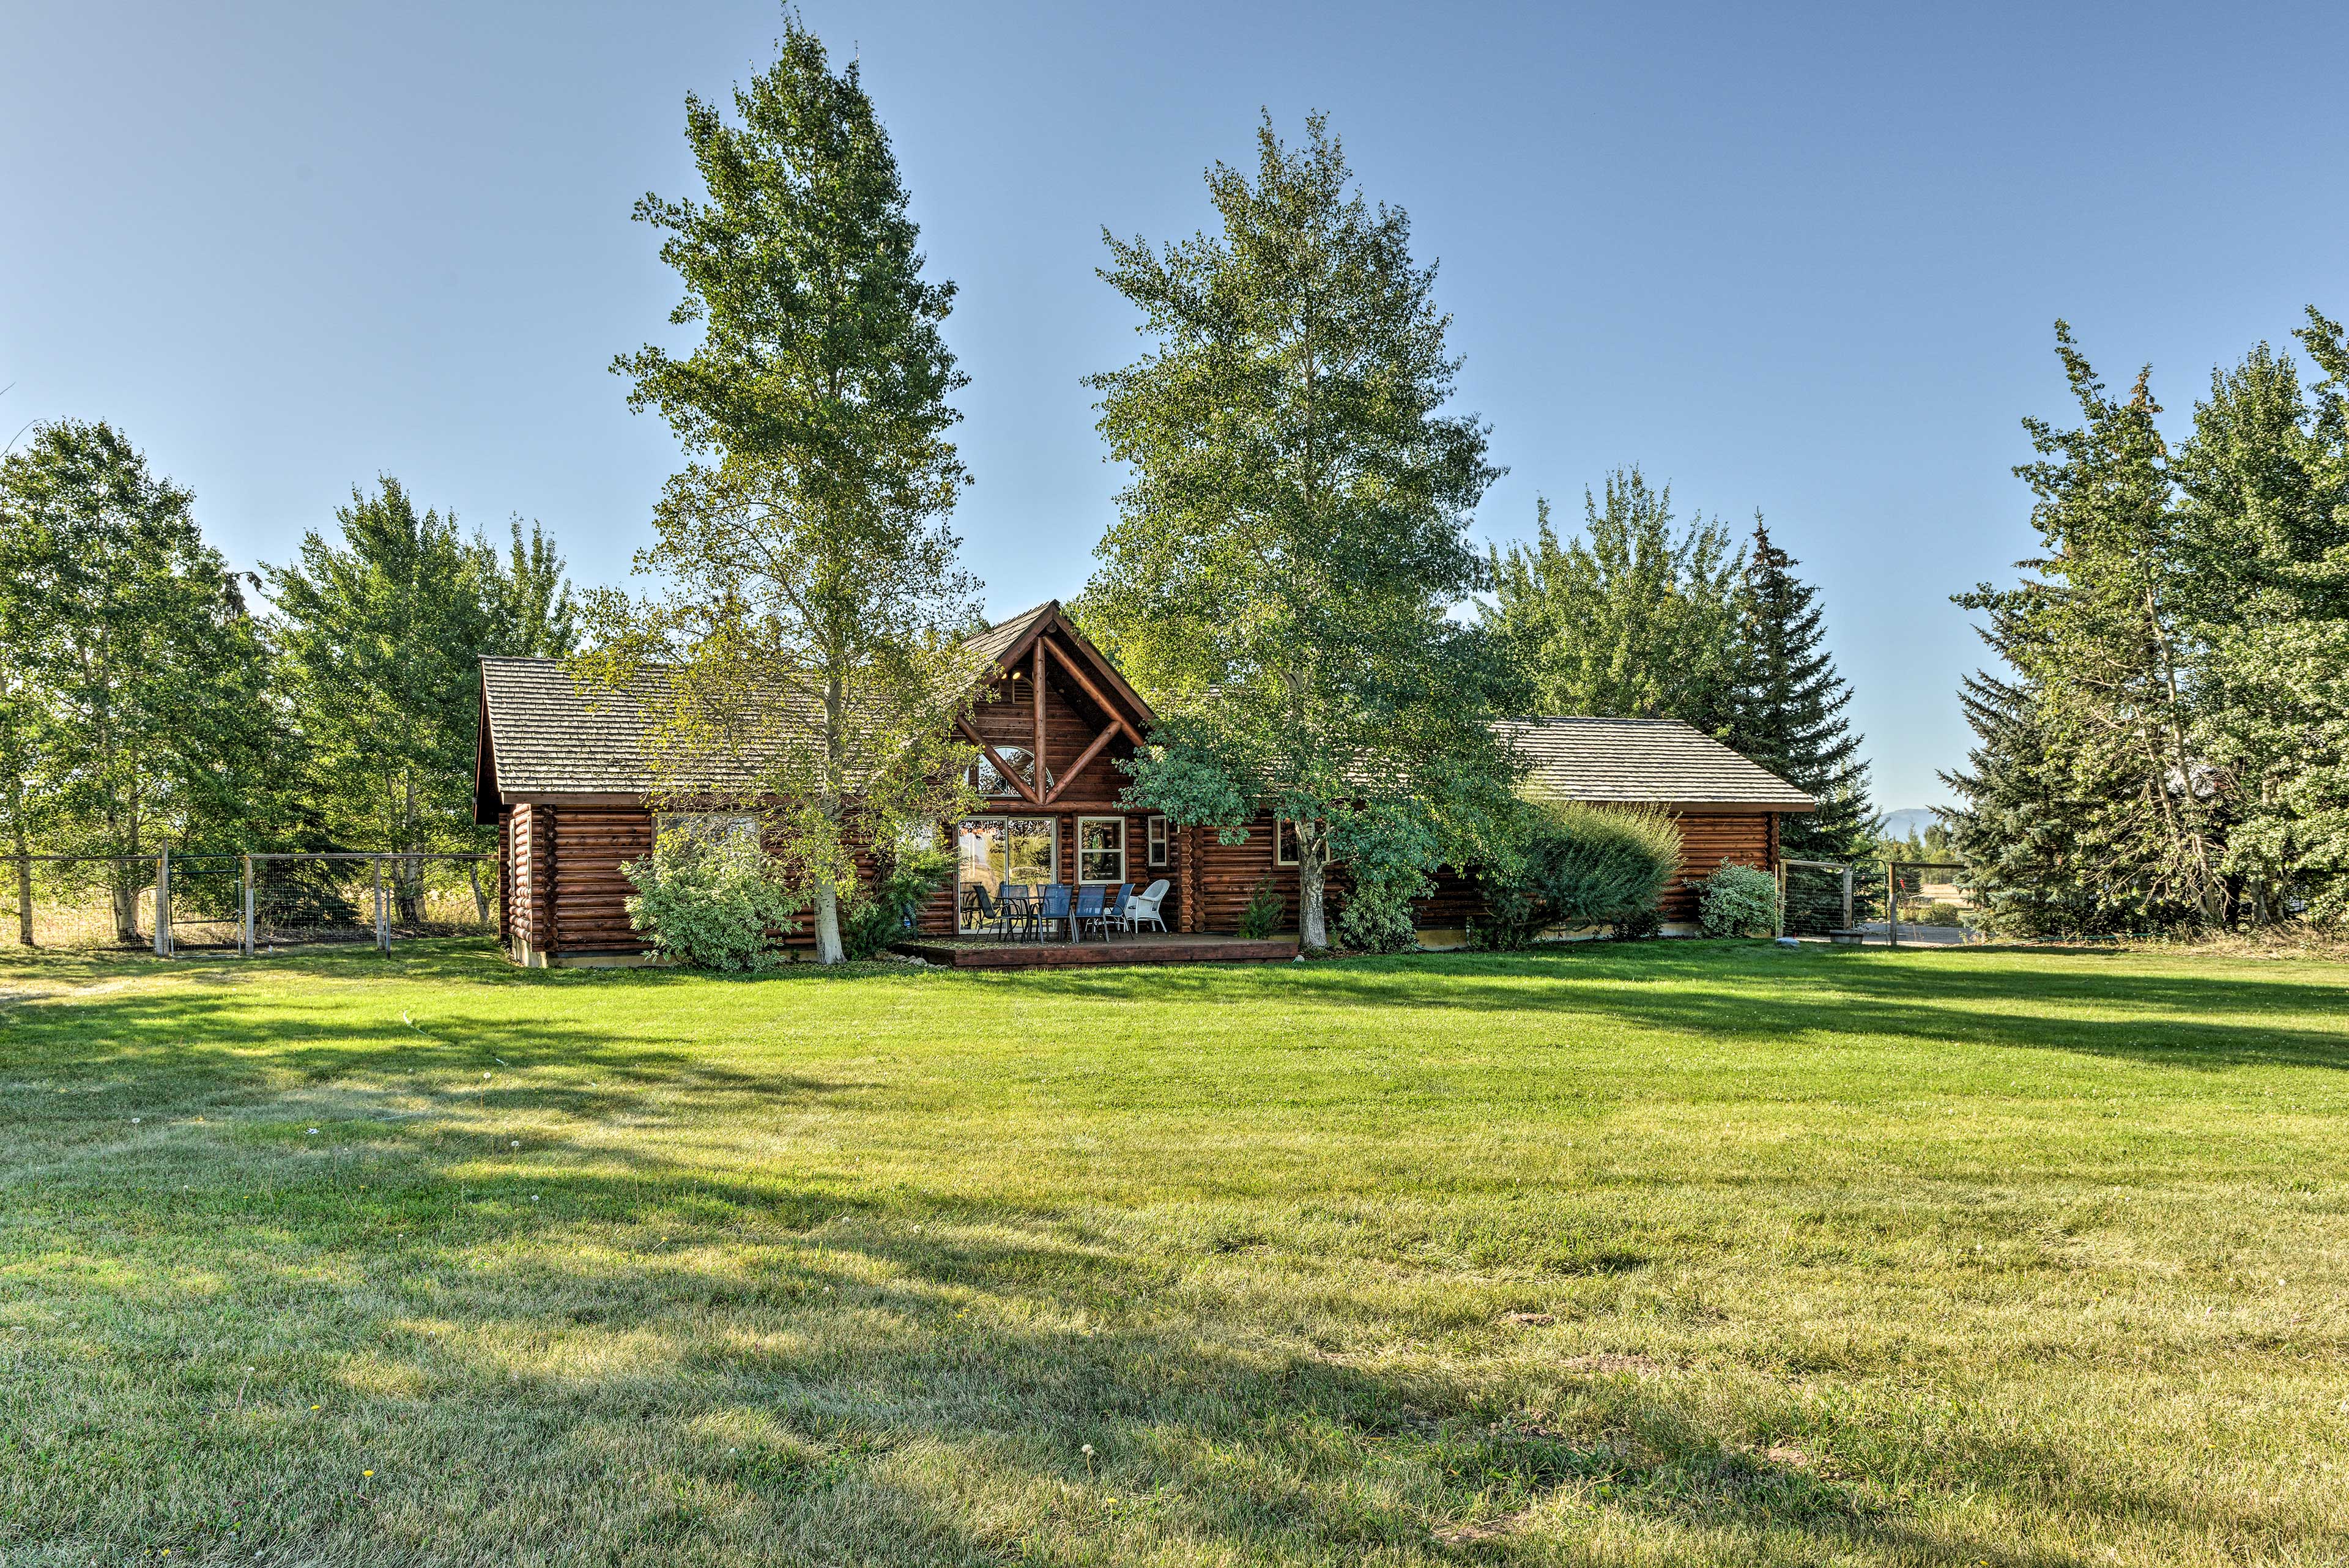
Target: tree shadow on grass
{"points": [[663, 1360], [1721, 992], [666, 1360]]}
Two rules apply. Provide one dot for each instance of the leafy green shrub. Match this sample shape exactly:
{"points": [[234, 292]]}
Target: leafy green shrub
{"points": [[1378, 918], [1567, 863], [1738, 901], [1264, 911], [711, 903], [1387, 848], [1638, 927], [876, 916]]}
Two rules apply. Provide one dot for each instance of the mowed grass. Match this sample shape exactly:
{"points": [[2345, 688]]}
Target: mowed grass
{"points": [[1674, 1252]]}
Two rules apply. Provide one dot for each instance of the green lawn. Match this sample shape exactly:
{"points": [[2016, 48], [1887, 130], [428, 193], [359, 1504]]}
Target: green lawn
{"points": [[1667, 1253]]}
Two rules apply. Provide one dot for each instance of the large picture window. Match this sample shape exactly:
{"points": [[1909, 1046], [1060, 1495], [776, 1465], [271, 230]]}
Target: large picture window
{"points": [[1101, 849], [989, 781], [993, 850]]}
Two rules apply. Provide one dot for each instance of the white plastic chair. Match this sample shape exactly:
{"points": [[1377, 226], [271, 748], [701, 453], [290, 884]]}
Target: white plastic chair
{"points": [[1144, 905]]}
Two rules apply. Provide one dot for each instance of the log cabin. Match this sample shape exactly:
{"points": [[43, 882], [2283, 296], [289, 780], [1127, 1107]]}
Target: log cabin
{"points": [[565, 780]]}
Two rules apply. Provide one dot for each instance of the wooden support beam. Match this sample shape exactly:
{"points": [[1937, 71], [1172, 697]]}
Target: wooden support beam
{"points": [[1060, 787], [1039, 695], [1077, 674], [1001, 767]]}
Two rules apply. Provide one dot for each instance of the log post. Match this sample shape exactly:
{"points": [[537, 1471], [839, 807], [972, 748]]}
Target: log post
{"points": [[246, 946], [24, 901], [382, 924], [163, 902], [1892, 903], [1037, 759]]}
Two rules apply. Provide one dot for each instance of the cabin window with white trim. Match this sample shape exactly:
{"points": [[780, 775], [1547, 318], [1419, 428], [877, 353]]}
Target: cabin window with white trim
{"points": [[1101, 849], [1154, 840], [1284, 842]]}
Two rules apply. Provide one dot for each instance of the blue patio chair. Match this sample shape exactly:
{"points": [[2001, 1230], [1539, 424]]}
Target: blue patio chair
{"points": [[1113, 909], [1053, 909], [991, 914], [1092, 909]]}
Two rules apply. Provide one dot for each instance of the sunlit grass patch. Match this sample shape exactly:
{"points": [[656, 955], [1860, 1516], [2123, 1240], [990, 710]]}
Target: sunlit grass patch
{"points": [[1676, 1252]]}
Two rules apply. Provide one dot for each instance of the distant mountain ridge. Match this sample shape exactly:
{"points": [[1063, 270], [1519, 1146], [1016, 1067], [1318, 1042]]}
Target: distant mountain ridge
{"points": [[1909, 819]]}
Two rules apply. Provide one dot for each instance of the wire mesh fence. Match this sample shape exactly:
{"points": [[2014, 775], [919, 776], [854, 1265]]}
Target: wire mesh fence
{"points": [[1922, 903], [174, 900]]}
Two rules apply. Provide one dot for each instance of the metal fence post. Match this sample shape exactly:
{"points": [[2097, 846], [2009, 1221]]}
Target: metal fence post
{"points": [[163, 902], [248, 943]]}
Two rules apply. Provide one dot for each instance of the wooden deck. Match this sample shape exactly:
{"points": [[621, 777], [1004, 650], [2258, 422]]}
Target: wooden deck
{"points": [[987, 953]]}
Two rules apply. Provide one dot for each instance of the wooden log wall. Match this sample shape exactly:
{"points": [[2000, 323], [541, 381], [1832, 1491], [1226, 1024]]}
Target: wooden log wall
{"points": [[591, 844], [1221, 878], [529, 833], [1711, 840], [505, 877]]}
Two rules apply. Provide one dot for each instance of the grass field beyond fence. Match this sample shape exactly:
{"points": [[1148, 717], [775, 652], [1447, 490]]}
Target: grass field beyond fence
{"points": [[1672, 1253]]}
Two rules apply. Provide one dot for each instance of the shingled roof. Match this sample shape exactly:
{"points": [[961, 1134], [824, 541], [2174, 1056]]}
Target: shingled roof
{"points": [[1656, 761], [549, 736]]}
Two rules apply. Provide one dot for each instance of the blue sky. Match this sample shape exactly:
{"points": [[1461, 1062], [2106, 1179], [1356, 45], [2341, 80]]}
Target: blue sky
{"points": [[1804, 259]]}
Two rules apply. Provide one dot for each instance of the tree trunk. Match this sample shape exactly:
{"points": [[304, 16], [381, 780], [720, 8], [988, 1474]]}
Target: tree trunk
{"points": [[828, 949], [481, 899], [1312, 876], [121, 878]]}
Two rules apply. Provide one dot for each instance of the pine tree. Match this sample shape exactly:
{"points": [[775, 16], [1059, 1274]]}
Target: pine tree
{"points": [[1788, 706], [381, 629], [2022, 827], [2102, 633], [2263, 522]]}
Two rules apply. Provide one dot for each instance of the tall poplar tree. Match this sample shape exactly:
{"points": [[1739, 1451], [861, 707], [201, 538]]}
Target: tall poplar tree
{"points": [[807, 625], [1635, 617], [139, 699], [381, 627], [1788, 706], [1279, 578]]}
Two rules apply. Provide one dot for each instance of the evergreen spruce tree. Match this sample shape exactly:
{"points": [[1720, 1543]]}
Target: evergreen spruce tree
{"points": [[1789, 709]]}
